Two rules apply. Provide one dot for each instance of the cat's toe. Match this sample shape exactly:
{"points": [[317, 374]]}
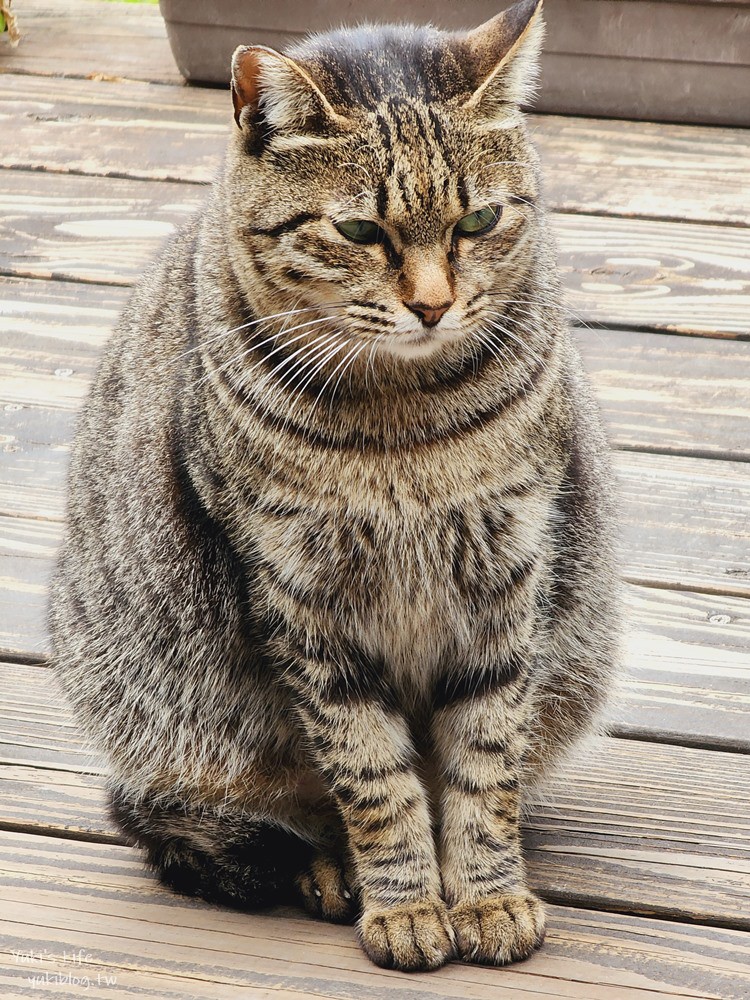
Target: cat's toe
{"points": [[500, 929], [416, 937], [325, 893]]}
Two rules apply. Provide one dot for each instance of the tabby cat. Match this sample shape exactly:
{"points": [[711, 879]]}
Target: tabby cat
{"points": [[337, 583]]}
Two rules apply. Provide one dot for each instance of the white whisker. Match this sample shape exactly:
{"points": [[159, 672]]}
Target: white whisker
{"points": [[348, 366], [338, 366], [371, 357], [331, 354], [509, 333], [256, 322], [243, 354], [296, 358], [271, 384]]}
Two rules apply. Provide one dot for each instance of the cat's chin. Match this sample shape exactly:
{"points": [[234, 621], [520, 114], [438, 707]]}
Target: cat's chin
{"points": [[416, 345]]}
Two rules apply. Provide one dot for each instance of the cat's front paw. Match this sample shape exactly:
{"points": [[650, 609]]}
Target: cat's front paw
{"points": [[325, 892], [500, 929], [415, 937]]}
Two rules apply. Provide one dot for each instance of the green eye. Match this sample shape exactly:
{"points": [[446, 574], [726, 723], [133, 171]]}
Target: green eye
{"points": [[479, 222], [361, 231]]}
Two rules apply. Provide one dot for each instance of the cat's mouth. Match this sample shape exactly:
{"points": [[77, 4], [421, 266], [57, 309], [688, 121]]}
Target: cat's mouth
{"points": [[418, 343], [420, 337]]}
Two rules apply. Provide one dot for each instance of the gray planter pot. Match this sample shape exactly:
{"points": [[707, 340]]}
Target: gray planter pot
{"points": [[662, 60]]}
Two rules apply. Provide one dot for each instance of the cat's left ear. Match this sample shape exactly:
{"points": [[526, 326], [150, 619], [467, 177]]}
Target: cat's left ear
{"points": [[503, 55], [278, 90]]}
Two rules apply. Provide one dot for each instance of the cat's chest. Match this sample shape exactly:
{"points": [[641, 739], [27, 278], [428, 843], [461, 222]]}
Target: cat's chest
{"points": [[394, 555]]}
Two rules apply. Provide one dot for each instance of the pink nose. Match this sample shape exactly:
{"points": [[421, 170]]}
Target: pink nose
{"points": [[430, 315]]}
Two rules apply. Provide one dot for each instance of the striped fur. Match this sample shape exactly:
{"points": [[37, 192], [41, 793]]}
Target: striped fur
{"points": [[338, 585]]}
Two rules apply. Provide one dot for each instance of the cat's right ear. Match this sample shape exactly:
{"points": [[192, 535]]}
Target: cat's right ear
{"points": [[269, 86]]}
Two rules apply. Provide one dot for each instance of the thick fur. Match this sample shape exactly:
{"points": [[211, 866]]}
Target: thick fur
{"points": [[337, 586]]}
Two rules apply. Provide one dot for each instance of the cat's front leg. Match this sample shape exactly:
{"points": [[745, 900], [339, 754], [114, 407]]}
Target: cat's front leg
{"points": [[364, 752], [479, 730]]}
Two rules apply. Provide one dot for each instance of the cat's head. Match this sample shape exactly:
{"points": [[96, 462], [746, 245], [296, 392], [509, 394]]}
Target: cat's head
{"points": [[385, 173]]}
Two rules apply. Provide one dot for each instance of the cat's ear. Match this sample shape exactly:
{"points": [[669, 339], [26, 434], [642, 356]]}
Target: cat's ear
{"points": [[503, 55], [279, 91]]}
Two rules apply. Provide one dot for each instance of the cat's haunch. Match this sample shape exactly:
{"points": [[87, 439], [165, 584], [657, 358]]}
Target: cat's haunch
{"points": [[337, 583]]}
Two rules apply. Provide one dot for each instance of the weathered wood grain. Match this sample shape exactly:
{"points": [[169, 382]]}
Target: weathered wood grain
{"points": [[674, 394], [650, 387], [40, 799], [684, 173], [37, 728], [27, 551], [98, 892], [660, 275], [686, 672], [113, 129], [85, 38], [685, 522], [591, 165], [46, 978], [88, 229], [622, 816], [61, 896], [121, 919]]}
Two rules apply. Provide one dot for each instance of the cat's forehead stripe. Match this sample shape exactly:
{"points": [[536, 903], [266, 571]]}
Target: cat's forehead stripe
{"points": [[419, 180]]}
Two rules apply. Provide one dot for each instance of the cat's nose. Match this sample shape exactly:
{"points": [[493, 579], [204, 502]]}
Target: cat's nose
{"points": [[429, 314]]}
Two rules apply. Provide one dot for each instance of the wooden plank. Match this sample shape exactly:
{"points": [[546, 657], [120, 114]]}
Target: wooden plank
{"points": [[113, 129], [47, 976], [621, 825], [90, 39], [683, 173], [37, 728], [685, 523], [27, 550], [660, 275], [673, 394], [625, 825], [88, 229], [591, 165], [64, 895], [687, 669], [38, 799], [669, 276]]}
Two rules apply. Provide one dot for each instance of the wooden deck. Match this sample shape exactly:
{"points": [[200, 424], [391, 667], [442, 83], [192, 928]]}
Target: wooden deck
{"points": [[642, 844]]}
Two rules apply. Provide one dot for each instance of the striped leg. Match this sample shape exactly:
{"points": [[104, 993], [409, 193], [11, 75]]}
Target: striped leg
{"points": [[365, 754], [479, 731]]}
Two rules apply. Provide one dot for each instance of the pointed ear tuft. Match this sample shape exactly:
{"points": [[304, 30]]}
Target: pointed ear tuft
{"points": [[276, 89], [503, 54]]}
